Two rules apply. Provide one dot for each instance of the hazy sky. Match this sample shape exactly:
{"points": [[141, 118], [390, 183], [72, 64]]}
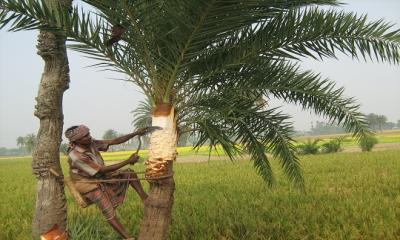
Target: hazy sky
{"points": [[102, 103]]}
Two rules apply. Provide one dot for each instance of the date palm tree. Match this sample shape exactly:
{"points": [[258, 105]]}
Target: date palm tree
{"points": [[207, 65], [50, 200]]}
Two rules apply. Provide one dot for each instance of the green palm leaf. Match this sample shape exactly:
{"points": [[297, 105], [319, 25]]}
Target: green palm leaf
{"points": [[307, 32], [284, 80], [232, 117]]}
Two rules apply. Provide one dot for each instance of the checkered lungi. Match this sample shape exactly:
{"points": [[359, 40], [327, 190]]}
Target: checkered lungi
{"points": [[108, 196]]}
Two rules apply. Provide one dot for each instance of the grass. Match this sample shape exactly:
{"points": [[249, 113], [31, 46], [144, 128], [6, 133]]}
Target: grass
{"points": [[349, 196]]}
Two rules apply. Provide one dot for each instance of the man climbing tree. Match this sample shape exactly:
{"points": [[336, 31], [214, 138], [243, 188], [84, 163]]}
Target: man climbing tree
{"points": [[89, 173]]}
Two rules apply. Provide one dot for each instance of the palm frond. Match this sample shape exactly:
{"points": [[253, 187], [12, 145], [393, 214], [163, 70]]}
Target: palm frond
{"points": [[284, 81], [88, 31], [309, 32], [26, 15], [317, 34], [170, 34], [142, 115], [234, 119]]}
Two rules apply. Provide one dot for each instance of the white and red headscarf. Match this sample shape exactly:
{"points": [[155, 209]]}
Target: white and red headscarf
{"points": [[77, 133]]}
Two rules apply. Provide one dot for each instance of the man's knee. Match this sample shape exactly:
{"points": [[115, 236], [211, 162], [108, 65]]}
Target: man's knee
{"points": [[110, 218], [109, 213], [103, 203]]}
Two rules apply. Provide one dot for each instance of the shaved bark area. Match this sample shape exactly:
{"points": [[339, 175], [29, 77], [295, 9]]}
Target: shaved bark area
{"points": [[162, 142], [50, 199], [162, 153]]}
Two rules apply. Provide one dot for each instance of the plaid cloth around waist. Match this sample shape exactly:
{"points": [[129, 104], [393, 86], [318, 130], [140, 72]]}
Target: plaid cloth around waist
{"points": [[107, 196]]}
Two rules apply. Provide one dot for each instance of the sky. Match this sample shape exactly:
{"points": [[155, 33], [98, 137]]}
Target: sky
{"points": [[99, 101]]}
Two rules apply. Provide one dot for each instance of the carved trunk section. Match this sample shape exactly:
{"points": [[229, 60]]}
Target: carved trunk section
{"points": [[50, 200], [162, 153]]}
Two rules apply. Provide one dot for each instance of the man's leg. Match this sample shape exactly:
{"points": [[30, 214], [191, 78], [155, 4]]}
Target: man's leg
{"points": [[104, 204], [118, 227], [137, 185]]}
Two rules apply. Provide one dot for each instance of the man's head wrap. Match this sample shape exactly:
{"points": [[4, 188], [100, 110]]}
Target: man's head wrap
{"points": [[76, 133]]}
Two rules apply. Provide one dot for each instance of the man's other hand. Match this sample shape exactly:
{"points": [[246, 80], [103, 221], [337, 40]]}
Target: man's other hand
{"points": [[146, 130], [133, 158], [141, 131]]}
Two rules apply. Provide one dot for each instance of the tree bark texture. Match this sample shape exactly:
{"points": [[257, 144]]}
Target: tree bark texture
{"points": [[50, 200], [162, 153]]}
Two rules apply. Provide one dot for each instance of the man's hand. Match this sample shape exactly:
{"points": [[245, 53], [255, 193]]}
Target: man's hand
{"points": [[141, 131], [146, 130], [133, 159]]}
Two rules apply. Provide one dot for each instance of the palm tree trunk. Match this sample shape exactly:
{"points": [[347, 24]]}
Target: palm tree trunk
{"points": [[162, 153], [50, 200]]}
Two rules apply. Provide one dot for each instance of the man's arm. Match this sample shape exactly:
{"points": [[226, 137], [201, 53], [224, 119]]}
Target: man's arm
{"points": [[114, 167], [125, 138]]}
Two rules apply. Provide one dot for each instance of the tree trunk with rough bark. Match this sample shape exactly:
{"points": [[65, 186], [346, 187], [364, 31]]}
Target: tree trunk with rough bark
{"points": [[162, 153], [51, 206]]}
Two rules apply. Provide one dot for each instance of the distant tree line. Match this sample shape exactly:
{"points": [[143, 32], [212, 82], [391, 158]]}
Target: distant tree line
{"points": [[11, 151], [375, 121], [25, 145], [379, 122], [28, 142], [322, 128]]}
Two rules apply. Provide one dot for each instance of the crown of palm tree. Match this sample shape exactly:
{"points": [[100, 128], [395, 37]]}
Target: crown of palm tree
{"points": [[216, 60]]}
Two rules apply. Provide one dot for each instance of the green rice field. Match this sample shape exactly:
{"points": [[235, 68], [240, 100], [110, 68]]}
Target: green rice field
{"points": [[350, 195]]}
